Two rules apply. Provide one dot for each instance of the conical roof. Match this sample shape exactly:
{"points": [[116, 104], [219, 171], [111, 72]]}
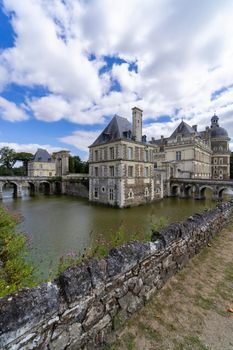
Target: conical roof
{"points": [[114, 130], [184, 129]]}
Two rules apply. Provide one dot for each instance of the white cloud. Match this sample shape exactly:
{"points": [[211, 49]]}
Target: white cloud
{"points": [[50, 108], [11, 112], [31, 147], [80, 139], [183, 51]]}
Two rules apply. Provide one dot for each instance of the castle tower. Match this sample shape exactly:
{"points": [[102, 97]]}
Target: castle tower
{"points": [[137, 123], [214, 121], [221, 153], [62, 162]]}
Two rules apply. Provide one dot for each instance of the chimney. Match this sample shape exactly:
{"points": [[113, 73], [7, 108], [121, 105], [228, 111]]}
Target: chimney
{"points": [[194, 127], [144, 138], [137, 123]]}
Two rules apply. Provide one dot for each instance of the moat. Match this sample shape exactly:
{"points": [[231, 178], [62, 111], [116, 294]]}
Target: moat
{"points": [[60, 225]]}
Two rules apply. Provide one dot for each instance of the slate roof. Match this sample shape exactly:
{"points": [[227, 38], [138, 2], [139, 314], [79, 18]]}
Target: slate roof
{"points": [[159, 142], [218, 132], [114, 131], [184, 129], [43, 156]]}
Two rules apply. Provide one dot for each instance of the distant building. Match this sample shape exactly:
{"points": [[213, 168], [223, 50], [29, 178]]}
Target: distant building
{"points": [[122, 164], [125, 169], [42, 164], [61, 162]]}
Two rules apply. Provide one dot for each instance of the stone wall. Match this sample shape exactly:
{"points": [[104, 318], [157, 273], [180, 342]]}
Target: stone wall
{"points": [[86, 305], [75, 187]]}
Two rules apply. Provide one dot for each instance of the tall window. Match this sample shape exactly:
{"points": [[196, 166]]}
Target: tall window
{"points": [[146, 171], [178, 155], [146, 155], [111, 170], [130, 171], [96, 171], [111, 151], [96, 155], [130, 153], [111, 194], [96, 192]]}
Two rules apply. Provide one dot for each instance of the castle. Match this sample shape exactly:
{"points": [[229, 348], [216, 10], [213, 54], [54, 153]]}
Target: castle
{"points": [[126, 170]]}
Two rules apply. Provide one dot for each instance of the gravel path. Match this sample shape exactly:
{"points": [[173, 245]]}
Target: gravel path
{"points": [[191, 311]]}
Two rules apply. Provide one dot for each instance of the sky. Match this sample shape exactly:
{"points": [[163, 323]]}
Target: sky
{"points": [[67, 66]]}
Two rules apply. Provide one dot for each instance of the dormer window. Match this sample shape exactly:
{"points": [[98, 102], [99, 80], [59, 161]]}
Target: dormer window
{"points": [[105, 136]]}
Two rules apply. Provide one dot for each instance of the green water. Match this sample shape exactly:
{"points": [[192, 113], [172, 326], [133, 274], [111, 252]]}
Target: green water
{"points": [[57, 225]]}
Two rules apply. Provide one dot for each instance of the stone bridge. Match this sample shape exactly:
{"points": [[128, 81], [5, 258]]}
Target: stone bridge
{"points": [[78, 183], [186, 188]]}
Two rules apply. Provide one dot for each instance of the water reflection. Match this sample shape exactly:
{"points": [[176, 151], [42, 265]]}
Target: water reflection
{"points": [[58, 225]]}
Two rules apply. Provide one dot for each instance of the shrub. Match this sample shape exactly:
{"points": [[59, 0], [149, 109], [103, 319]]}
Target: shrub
{"points": [[15, 270]]}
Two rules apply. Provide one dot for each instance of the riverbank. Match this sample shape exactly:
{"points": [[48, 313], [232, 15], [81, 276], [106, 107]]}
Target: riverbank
{"points": [[191, 311], [63, 225], [88, 304]]}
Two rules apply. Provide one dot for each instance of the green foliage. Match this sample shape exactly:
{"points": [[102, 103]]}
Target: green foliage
{"points": [[99, 248], [7, 160], [24, 157], [159, 223], [77, 166], [15, 271]]}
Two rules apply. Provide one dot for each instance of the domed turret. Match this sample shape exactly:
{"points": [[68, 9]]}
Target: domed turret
{"points": [[217, 131]]}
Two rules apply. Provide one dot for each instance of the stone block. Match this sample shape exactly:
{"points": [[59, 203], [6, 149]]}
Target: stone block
{"points": [[97, 271], [130, 302], [75, 283], [94, 314], [23, 310], [124, 258]]}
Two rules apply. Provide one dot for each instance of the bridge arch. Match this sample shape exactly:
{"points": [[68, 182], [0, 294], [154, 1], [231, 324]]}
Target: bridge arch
{"points": [[57, 187], [17, 188], [188, 190], [202, 190], [45, 187], [175, 190], [31, 187], [220, 192]]}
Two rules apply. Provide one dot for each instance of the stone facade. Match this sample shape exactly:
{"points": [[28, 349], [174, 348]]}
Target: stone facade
{"points": [[121, 171], [124, 167], [42, 164], [61, 162], [88, 303]]}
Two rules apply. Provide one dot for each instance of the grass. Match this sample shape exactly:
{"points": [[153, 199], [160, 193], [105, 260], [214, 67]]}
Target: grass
{"points": [[150, 332], [204, 302], [191, 343]]}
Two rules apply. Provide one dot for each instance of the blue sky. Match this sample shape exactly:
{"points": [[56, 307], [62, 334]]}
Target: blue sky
{"points": [[67, 66]]}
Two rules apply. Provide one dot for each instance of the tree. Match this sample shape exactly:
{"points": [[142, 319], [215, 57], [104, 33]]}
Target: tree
{"points": [[24, 157], [7, 160], [76, 165]]}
